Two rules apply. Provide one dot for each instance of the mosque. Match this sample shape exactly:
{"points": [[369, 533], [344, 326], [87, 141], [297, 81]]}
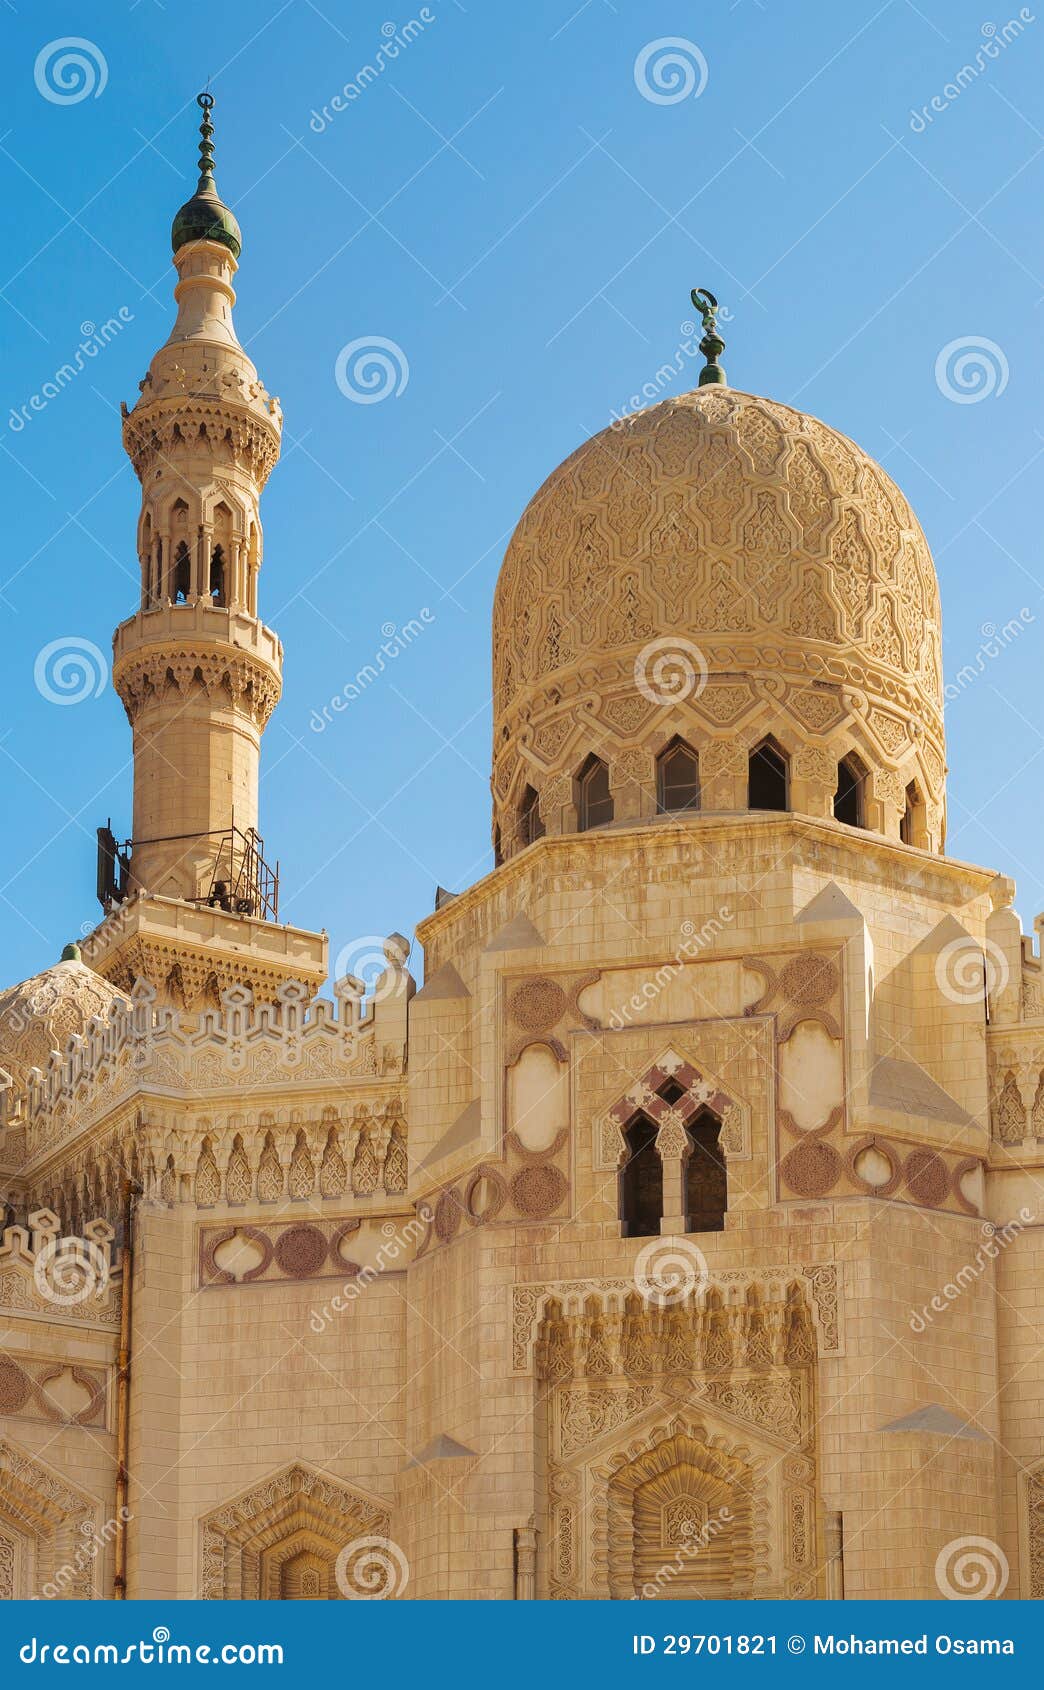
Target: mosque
{"points": [[680, 1236]]}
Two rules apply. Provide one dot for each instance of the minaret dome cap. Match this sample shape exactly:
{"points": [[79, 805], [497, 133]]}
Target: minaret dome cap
{"points": [[205, 217]]}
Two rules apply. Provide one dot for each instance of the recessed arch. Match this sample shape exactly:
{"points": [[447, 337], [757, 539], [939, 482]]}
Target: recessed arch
{"points": [[530, 821], [677, 778], [594, 798], [850, 791], [768, 776]]}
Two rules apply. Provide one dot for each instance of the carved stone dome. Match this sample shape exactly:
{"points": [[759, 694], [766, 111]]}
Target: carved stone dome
{"points": [[40, 1014], [724, 570]]}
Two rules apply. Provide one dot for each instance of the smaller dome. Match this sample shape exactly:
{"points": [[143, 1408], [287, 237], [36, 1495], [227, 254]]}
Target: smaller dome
{"points": [[205, 217], [40, 1014]]}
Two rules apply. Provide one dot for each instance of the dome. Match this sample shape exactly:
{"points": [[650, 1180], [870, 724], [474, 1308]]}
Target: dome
{"points": [[39, 1015], [205, 217], [724, 570]]}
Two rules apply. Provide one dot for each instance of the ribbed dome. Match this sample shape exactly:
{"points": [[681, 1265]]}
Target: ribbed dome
{"points": [[792, 572], [40, 1014]]}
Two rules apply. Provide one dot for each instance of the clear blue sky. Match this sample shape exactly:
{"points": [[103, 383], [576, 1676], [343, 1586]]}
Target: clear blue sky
{"points": [[506, 206]]}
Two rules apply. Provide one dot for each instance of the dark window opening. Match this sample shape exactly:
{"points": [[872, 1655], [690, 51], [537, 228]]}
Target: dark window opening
{"points": [[912, 830], [182, 574], [530, 825], [706, 1184], [671, 1091], [677, 778], [594, 799], [848, 798], [767, 778], [217, 575], [641, 1181]]}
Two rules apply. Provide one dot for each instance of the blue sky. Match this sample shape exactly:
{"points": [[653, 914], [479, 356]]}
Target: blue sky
{"points": [[507, 207]]}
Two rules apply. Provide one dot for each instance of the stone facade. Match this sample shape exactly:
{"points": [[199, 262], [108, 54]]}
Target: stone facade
{"points": [[680, 1235]]}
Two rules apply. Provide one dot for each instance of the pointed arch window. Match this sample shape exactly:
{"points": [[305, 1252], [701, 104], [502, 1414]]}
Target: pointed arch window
{"points": [[218, 576], [677, 778], [182, 582], [641, 1181], [913, 828], [530, 824], [594, 798], [850, 794], [706, 1180], [768, 777]]}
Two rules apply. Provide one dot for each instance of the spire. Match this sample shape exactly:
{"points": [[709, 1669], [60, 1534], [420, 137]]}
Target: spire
{"points": [[207, 185], [712, 346], [205, 217]]}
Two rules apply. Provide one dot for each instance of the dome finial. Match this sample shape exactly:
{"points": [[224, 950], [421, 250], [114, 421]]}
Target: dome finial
{"points": [[205, 217], [205, 102], [712, 346]]}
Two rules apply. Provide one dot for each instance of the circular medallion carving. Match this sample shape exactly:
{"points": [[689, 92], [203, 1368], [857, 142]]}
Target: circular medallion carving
{"points": [[538, 1004], [14, 1387], [927, 1180], [484, 1195], [301, 1251], [447, 1215], [536, 1192], [809, 980], [812, 1168]]}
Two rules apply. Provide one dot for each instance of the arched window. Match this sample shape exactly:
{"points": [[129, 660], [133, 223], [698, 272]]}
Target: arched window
{"points": [[641, 1181], [182, 574], [498, 855], [677, 778], [767, 777], [706, 1183], [594, 801], [217, 575], [849, 797], [530, 826], [913, 829]]}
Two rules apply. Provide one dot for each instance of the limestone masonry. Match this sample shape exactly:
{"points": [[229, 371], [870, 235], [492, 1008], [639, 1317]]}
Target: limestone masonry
{"points": [[681, 1235]]}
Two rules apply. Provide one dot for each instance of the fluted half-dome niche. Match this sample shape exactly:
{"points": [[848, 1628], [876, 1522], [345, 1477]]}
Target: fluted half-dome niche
{"points": [[727, 572]]}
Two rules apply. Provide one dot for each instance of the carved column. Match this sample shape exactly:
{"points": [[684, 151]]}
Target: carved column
{"points": [[525, 1563], [835, 1556]]}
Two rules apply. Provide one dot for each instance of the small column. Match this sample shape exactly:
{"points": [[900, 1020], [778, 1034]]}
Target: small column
{"points": [[525, 1562], [834, 1543], [673, 1149]]}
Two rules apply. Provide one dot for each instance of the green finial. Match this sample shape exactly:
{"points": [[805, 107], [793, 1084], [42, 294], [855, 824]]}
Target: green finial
{"points": [[205, 102], [712, 346], [205, 217], [71, 953]]}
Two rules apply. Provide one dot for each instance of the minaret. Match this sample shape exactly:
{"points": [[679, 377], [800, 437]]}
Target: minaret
{"points": [[198, 673]]}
